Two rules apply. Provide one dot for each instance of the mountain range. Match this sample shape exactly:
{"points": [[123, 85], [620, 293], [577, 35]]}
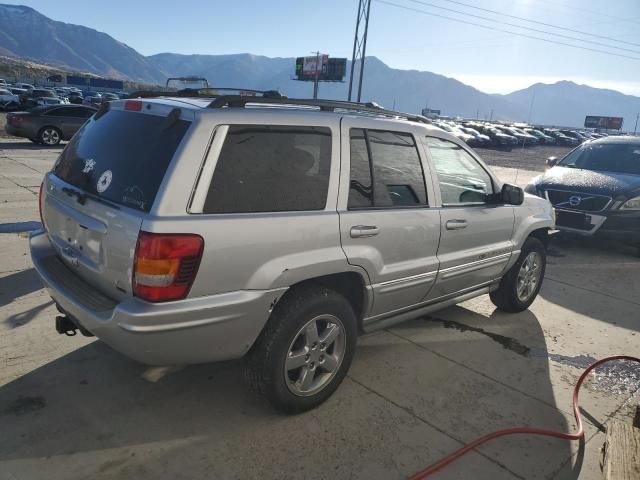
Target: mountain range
{"points": [[26, 33]]}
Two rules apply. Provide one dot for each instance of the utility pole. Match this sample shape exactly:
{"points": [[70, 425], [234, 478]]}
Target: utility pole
{"points": [[491, 116], [315, 80], [636, 127], [360, 45]]}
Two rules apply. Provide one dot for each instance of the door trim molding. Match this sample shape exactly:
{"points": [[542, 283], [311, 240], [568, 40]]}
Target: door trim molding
{"points": [[457, 270], [405, 282]]}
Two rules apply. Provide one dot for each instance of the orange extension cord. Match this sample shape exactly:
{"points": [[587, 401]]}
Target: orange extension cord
{"points": [[526, 430]]}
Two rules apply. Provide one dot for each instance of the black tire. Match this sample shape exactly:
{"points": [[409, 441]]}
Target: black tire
{"points": [[49, 136], [506, 296], [265, 363]]}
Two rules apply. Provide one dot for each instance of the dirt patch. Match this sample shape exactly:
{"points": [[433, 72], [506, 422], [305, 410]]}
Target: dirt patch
{"points": [[529, 158]]}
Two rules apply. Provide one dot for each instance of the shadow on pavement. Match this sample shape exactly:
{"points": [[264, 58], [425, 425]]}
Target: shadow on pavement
{"points": [[470, 374], [18, 284], [28, 145], [19, 227], [595, 278], [203, 422]]}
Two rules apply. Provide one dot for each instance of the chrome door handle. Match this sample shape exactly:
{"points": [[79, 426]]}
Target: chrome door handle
{"points": [[456, 224], [360, 231]]}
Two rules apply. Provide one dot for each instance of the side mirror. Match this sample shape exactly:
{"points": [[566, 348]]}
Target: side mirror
{"points": [[551, 161], [511, 195]]}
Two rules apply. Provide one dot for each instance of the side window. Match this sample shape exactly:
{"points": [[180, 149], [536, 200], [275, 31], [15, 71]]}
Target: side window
{"points": [[397, 179], [271, 169], [462, 179]]}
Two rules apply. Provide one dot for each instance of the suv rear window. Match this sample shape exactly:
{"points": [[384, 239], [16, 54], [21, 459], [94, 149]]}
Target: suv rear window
{"points": [[271, 169], [122, 157]]}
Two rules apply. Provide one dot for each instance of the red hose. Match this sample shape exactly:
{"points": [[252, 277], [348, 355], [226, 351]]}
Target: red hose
{"points": [[526, 430]]}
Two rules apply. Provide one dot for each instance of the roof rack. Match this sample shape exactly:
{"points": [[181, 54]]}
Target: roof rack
{"points": [[323, 105], [210, 92]]}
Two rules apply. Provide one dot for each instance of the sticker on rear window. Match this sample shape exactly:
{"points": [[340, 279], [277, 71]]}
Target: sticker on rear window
{"points": [[134, 196], [89, 165], [104, 181]]}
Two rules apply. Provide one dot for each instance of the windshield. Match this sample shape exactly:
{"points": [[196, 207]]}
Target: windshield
{"points": [[129, 152], [606, 157]]}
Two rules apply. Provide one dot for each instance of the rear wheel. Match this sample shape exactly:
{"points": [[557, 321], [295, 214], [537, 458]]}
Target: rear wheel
{"points": [[305, 350], [521, 284], [50, 136]]}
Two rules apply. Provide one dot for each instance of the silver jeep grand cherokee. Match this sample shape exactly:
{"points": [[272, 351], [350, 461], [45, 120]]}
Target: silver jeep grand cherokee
{"points": [[188, 230]]}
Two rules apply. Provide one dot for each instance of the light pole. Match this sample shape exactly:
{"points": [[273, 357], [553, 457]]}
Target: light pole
{"points": [[636, 127], [315, 80]]}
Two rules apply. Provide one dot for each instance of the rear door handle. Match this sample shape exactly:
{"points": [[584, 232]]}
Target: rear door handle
{"points": [[456, 224], [360, 231]]}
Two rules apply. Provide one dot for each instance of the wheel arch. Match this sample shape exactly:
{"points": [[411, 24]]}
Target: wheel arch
{"points": [[350, 284]]}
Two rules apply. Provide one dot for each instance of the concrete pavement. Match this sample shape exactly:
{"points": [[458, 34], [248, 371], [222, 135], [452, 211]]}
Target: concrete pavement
{"points": [[70, 408]]}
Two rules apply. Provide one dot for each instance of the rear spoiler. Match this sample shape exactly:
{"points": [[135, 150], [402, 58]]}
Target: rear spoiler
{"points": [[205, 93]]}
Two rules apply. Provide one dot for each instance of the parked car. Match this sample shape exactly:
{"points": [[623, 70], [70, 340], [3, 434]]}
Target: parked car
{"points": [[17, 91], [453, 130], [498, 137], [131, 253], [562, 139], [521, 135], [479, 139], [8, 100], [573, 134], [595, 189], [542, 137], [75, 97], [92, 99], [3, 83], [108, 97], [26, 86], [51, 101], [48, 125]]}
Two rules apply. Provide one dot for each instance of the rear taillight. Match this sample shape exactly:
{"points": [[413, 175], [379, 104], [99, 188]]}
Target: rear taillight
{"points": [[166, 265], [13, 119], [40, 204]]}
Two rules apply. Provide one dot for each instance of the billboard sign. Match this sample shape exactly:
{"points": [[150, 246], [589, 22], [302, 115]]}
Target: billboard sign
{"points": [[430, 112], [106, 83], [606, 123], [327, 69], [316, 65]]}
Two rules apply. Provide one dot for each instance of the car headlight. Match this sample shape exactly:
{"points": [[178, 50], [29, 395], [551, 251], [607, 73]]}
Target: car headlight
{"points": [[631, 204], [532, 188]]}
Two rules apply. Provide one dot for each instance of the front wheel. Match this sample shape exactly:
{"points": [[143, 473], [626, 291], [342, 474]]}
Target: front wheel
{"points": [[521, 284], [304, 352]]}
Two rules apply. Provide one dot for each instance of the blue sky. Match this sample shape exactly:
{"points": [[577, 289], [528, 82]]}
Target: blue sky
{"points": [[487, 58]]}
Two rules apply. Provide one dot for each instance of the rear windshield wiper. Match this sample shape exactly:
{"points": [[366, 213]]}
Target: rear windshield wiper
{"points": [[80, 197]]}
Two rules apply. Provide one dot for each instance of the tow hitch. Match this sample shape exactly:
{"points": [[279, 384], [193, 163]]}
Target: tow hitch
{"points": [[66, 326]]}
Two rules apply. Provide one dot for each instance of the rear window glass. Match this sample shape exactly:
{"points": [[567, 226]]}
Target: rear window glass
{"points": [[122, 157], [271, 169]]}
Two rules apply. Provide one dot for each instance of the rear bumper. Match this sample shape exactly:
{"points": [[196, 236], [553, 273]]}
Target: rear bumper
{"points": [[195, 330]]}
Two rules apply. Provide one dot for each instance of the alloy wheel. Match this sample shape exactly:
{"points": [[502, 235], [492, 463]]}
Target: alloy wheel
{"points": [[315, 355]]}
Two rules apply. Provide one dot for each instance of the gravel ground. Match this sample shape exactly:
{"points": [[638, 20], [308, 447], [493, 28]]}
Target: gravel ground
{"points": [[530, 158]]}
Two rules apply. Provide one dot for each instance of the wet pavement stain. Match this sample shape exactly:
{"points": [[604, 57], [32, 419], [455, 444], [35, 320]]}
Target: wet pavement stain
{"points": [[506, 342], [24, 406], [618, 377]]}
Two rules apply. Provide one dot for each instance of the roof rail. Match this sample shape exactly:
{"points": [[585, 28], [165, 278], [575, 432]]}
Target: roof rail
{"points": [[323, 105], [211, 92]]}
